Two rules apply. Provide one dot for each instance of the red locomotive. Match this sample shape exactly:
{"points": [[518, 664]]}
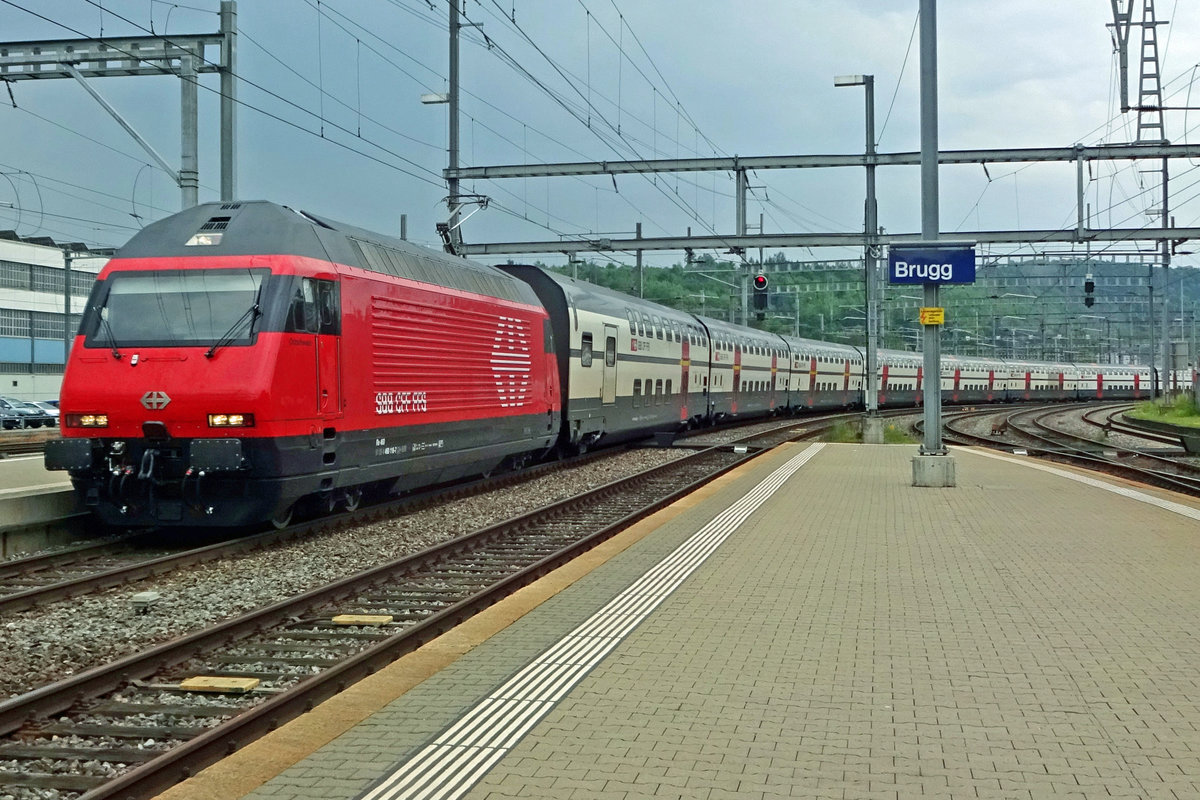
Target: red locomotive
{"points": [[235, 358]]}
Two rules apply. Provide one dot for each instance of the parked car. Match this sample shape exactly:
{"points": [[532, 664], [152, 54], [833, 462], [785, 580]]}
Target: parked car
{"points": [[31, 416], [48, 408], [11, 420]]}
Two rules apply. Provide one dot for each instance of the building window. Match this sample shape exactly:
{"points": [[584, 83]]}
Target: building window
{"points": [[46, 279], [14, 275], [81, 283], [14, 322], [47, 326]]}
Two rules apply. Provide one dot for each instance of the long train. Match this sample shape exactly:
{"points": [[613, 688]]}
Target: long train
{"points": [[237, 359]]}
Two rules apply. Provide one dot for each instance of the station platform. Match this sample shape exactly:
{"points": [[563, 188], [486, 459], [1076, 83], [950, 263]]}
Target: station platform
{"points": [[810, 625], [31, 498]]}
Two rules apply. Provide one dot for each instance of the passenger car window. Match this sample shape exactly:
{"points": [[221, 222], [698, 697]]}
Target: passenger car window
{"points": [[585, 350]]}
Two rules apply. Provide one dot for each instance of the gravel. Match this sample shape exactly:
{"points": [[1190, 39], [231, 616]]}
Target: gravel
{"points": [[64, 638]]}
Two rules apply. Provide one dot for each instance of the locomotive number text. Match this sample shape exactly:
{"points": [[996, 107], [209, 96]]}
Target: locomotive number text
{"points": [[400, 402]]}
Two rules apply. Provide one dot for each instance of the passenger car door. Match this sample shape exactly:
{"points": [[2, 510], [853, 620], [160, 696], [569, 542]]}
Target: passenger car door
{"points": [[609, 389]]}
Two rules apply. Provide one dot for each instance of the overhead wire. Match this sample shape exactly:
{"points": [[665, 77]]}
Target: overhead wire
{"points": [[34, 178], [258, 109], [674, 199], [338, 100]]}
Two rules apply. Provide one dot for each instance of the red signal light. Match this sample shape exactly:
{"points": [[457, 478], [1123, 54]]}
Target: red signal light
{"points": [[760, 283]]}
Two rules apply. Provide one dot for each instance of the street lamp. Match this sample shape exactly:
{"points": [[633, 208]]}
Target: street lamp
{"points": [[870, 226]]}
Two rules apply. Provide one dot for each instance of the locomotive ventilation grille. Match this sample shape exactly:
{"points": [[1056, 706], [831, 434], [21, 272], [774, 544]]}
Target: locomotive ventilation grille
{"points": [[215, 224], [474, 360]]}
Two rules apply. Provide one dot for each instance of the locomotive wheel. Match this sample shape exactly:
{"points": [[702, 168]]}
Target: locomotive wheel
{"points": [[353, 498], [283, 518]]}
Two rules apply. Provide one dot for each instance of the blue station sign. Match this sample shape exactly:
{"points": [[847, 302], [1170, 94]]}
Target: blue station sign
{"points": [[931, 265]]}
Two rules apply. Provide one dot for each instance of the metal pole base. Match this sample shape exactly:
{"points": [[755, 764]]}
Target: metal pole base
{"points": [[872, 429], [935, 471]]}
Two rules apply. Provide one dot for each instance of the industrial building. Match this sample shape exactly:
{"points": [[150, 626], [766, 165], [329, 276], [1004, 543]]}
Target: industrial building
{"points": [[34, 305]]}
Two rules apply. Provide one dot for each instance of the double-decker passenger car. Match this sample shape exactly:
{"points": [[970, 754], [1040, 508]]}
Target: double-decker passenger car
{"points": [[624, 364]]}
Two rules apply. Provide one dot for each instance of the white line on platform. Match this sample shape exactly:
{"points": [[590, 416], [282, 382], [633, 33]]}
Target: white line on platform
{"points": [[1124, 491]]}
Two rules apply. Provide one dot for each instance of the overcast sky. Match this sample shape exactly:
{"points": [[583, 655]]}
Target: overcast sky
{"points": [[680, 79]]}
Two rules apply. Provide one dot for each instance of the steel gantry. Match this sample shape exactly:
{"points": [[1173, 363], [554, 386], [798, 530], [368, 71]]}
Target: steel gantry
{"points": [[186, 56], [1079, 154]]}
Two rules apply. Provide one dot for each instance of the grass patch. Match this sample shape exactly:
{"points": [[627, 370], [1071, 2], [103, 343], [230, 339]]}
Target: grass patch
{"points": [[895, 435], [1180, 409], [851, 433], [843, 433]]}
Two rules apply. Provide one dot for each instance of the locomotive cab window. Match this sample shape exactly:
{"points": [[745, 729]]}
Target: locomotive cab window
{"points": [[168, 308], [315, 308]]}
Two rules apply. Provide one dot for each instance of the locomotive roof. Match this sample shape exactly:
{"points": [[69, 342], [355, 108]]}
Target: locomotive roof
{"points": [[259, 227]]}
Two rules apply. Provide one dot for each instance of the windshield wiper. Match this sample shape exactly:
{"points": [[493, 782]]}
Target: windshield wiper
{"points": [[112, 340], [252, 313]]}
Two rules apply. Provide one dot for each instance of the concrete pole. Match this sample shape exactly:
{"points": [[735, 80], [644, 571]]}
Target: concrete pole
{"points": [[1156, 376], [640, 270], [930, 225], [67, 332], [1166, 263], [932, 466], [229, 102], [452, 183], [189, 176], [870, 266], [744, 269]]}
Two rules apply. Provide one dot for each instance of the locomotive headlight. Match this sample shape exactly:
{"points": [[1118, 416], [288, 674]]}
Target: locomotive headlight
{"points": [[231, 420], [87, 420]]}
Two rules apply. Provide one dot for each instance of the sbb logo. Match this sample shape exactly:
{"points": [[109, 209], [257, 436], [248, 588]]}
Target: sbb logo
{"points": [[928, 272]]}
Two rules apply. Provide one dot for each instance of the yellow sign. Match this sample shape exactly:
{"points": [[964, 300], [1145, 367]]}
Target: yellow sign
{"points": [[933, 316]]}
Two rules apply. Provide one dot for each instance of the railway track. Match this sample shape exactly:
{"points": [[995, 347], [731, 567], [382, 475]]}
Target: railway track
{"points": [[1111, 423], [1053, 443], [16, 443], [89, 733], [72, 571], [69, 572]]}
